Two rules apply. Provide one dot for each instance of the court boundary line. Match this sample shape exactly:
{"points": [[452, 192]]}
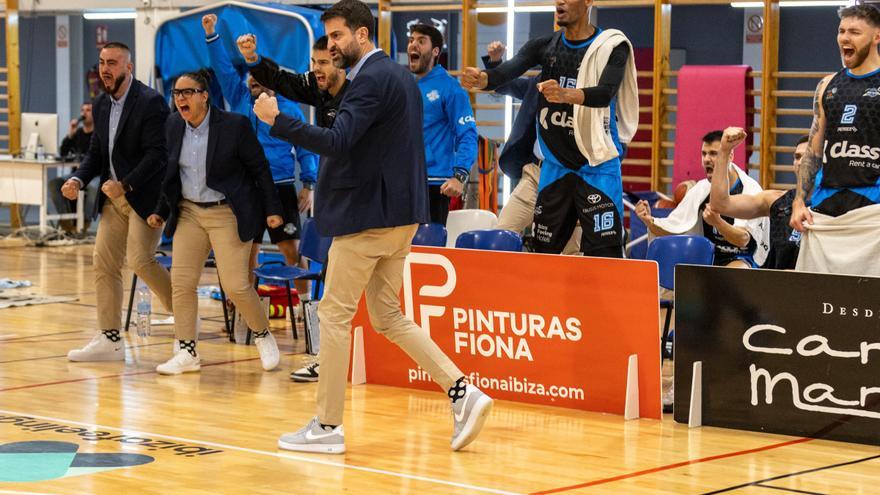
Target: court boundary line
{"points": [[25, 337], [282, 455], [675, 465], [17, 492], [121, 375], [796, 473], [790, 490]]}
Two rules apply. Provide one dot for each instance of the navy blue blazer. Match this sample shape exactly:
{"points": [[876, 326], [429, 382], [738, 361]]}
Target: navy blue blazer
{"points": [[373, 169], [237, 168], [139, 152], [518, 150]]}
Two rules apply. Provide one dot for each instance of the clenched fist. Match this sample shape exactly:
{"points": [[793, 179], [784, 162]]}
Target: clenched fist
{"points": [[155, 221], [496, 50], [209, 24], [473, 78], [247, 46], [70, 189], [266, 108], [274, 221], [554, 93], [733, 137]]}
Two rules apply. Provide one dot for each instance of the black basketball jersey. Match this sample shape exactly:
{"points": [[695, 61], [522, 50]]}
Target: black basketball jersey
{"points": [[785, 242], [561, 62], [851, 156]]}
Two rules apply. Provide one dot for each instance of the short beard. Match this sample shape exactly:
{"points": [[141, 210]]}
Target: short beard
{"points": [[116, 85], [860, 56], [422, 65], [347, 57]]}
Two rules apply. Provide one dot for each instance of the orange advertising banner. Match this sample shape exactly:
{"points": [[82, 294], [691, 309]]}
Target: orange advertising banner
{"points": [[541, 329]]}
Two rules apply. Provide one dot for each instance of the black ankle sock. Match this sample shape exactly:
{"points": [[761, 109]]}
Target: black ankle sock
{"points": [[261, 333], [112, 335], [328, 427], [189, 346], [458, 390]]}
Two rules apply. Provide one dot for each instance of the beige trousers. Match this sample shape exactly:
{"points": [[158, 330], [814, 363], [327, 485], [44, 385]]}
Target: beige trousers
{"points": [[198, 231], [123, 234], [370, 263]]}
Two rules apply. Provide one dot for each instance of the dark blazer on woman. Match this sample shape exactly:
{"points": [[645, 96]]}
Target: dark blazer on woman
{"points": [[237, 168]]}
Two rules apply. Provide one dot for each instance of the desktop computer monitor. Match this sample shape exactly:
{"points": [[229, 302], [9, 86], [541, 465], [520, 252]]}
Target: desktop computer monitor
{"points": [[39, 129]]}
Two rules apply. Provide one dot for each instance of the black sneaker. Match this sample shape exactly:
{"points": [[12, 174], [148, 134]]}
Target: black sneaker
{"points": [[306, 373]]}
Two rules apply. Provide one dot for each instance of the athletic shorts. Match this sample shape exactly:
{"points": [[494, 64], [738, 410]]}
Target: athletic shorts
{"points": [[289, 230], [728, 259], [568, 199]]}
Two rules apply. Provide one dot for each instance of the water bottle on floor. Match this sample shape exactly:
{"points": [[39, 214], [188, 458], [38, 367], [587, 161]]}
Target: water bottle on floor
{"points": [[144, 308]]}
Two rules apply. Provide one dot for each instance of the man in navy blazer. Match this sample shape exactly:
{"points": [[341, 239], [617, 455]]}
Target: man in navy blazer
{"points": [[371, 196], [128, 152]]}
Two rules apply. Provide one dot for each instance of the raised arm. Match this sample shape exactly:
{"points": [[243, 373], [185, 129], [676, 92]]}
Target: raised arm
{"points": [[527, 57], [359, 109], [302, 88], [234, 89], [516, 88], [745, 206]]}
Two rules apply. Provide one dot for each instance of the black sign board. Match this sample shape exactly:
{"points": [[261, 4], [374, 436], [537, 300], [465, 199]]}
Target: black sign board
{"points": [[782, 352]]}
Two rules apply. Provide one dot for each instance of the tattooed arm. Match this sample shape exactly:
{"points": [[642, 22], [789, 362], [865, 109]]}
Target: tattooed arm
{"points": [[810, 164]]}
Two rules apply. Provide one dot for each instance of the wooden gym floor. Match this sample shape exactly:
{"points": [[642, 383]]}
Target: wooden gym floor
{"points": [[216, 431]]}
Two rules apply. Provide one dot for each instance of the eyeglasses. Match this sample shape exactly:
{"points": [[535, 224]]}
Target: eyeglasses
{"points": [[186, 93]]}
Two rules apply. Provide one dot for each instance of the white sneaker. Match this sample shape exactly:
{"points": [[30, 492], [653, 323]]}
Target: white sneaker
{"points": [[468, 416], [99, 349], [182, 362], [313, 438], [268, 349]]}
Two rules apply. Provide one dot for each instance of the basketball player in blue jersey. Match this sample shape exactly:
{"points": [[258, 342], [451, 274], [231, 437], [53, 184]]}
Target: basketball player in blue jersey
{"points": [[841, 170], [571, 188]]}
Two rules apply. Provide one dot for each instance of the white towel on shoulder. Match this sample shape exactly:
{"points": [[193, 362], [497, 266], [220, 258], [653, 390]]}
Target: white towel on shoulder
{"points": [[686, 219], [591, 125]]}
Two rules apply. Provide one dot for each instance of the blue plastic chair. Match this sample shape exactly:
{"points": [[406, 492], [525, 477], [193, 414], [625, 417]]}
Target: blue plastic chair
{"points": [[314, 247], [490, 240], [670, 251], [638, 250], [430, 234]]}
